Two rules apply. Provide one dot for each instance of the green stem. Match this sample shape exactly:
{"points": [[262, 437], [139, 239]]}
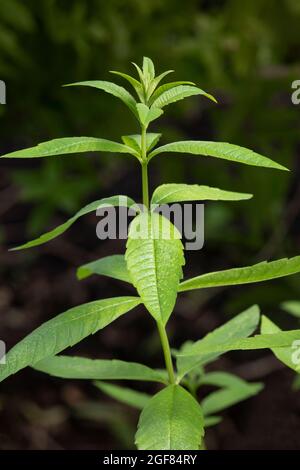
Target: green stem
{"points": [[144, 168], [167, 353], [145, 184]]}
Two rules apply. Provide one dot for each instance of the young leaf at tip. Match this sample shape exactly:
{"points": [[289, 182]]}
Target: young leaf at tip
{"points": [[155, 82], [133, 82]]}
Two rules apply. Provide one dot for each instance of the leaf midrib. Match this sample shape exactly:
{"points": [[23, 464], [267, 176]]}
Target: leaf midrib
{"points": [[171, 417], [155, 273]]}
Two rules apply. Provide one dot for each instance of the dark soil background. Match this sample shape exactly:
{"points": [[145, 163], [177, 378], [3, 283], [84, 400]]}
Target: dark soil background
{"points": [[248, 57]]}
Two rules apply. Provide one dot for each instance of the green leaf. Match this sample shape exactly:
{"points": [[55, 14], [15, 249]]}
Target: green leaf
{"points": [[134, 141], [112, 266], [147, 115], [154, 113], [65, 330], [140, 73], [154, 257], [166, 87], [68, 367], [93, 206], [178, 93], [69, 145], [296, 383], [211, 421], [292, 307], [221, 150], [284, 355], [148, 69], [143, 111], [234, 390], [268, 341], [125, 395], [133, 82], [171, 420], [113, 89], [241, 326], [264, 271], [168, 193], [154, 83]]}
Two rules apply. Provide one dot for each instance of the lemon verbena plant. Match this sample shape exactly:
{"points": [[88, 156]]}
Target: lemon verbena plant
{"points": [[173, 418]]}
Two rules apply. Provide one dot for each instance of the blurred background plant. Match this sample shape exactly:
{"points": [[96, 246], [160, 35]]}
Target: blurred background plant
{"points": [[245, 53]]}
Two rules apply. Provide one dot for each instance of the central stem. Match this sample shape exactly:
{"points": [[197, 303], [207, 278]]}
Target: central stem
{"points": [[161, 329], [144, 168], [167, 353], [145, 184]]}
